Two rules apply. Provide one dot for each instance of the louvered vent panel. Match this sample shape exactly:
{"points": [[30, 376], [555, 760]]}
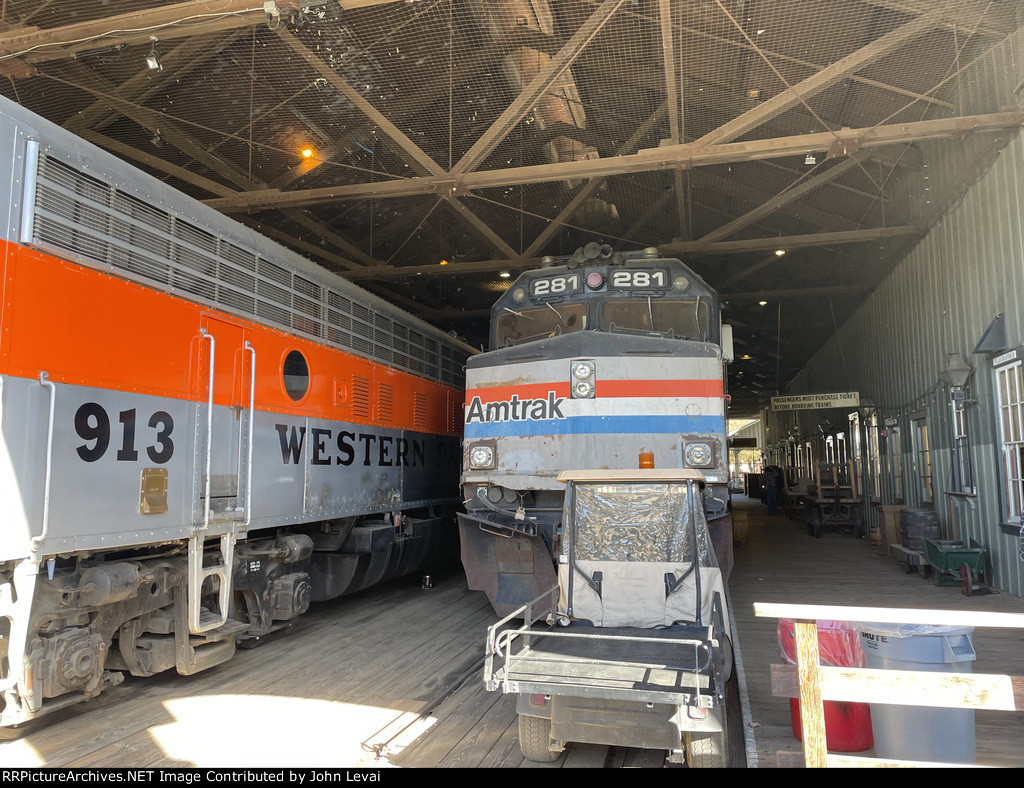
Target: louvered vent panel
{"points": [[420, 411], [360, 396], [81, 217], [385, 403]]}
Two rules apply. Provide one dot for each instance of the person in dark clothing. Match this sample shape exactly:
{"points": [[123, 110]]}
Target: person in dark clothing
{"points": [[772, 483]]}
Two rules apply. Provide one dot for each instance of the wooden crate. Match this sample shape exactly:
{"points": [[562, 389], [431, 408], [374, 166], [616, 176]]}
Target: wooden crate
{"points": [[890, 527], [739, 528]]}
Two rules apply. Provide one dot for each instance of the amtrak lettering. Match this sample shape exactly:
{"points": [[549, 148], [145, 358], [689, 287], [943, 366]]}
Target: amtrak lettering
{"points": [[515, 409], [363, 448]]}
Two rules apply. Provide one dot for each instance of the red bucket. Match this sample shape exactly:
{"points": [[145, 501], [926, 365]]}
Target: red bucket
{"points": [[847, 725]]}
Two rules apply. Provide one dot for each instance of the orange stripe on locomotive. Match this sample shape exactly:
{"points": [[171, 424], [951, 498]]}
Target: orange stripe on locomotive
{"points": [[90, 328]]}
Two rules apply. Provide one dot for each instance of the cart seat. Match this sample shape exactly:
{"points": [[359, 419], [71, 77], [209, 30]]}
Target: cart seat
{"points": [[636, 594]]}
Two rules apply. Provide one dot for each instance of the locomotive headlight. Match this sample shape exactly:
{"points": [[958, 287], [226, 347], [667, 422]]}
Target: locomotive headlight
{"points": [[583, 389], [584, 379], [680, 283], [481, 457], [518, 294], [698, 455]]}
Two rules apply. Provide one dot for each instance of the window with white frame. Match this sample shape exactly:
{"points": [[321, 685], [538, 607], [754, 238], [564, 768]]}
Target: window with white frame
{"points": [[1010, 393], [922, 457]]}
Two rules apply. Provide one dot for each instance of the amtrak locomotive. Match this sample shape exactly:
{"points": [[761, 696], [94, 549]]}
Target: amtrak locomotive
{"points": [[595, 360], [202, 432]]}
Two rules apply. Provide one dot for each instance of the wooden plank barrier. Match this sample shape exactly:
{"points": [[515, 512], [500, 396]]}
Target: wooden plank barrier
{"points": [[814, 683]]}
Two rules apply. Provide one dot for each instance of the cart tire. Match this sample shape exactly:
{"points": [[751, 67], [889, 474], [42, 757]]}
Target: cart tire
{"points": [[706, 750], [535, 739]]}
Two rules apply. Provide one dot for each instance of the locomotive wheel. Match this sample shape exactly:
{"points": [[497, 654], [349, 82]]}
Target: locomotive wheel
{"points": [[535, 739]]}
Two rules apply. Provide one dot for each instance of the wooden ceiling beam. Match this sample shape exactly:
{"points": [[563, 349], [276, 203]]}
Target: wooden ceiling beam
{"points": [[725, 247], [529, 96], [790, 242], [789, 195], [780, 56], [647, 160], [405, 147], [181, 20], [821, 80], [587, 190], [742, 191], [797, 292], [966, 16]]}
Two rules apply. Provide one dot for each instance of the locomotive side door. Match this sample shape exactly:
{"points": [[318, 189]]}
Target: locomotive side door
{"points": [[223, 422], [223, 386]]}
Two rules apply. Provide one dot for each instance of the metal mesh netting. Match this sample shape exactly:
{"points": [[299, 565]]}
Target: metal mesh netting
{"points": [[378, 136], [638, 522]]}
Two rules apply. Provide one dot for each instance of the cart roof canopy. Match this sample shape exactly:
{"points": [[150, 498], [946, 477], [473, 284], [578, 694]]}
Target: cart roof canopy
{"points": [[632, 475]]}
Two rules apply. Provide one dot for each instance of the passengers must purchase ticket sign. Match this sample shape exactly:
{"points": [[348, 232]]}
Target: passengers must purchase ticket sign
{"points": [[841, 399]]}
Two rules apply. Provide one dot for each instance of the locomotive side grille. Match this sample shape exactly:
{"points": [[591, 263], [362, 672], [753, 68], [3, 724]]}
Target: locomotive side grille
{"points": [[360, 396], [420, 410], [82, 217], [385, 402]]}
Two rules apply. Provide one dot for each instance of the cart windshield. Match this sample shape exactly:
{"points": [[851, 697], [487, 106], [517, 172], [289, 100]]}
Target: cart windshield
{"points": [[639, 522]]}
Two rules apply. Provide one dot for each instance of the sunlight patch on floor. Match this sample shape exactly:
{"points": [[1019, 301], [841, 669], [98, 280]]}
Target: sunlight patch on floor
{"points": [[268, 731]]}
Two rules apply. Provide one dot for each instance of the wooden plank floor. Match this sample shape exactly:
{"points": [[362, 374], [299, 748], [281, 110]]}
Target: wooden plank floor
{"points": [[391, 677]]}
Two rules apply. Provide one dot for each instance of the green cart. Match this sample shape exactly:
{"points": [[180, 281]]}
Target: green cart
{"points": [[954, 562]]}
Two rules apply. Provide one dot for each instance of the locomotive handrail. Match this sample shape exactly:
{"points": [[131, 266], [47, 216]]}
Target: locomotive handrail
{"points": [[252, 416], [209, 426], [197, 573], [45, 382]]}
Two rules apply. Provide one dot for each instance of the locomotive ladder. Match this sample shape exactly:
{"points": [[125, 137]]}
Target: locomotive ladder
{"points": [[226, 527]]}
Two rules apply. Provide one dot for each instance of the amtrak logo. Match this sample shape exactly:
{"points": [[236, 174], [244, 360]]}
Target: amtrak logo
{"points": [[515, 409]]}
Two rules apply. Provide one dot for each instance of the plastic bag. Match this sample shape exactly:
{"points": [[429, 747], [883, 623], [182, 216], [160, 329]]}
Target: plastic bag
{"points": [[909, 630], [838, 643]]}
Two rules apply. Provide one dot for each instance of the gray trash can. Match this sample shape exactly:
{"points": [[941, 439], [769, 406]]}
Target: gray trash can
{"points": [[921, 733]]}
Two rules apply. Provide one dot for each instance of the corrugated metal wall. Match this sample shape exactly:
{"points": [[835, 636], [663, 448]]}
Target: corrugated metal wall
{"points": [[940, 299]]}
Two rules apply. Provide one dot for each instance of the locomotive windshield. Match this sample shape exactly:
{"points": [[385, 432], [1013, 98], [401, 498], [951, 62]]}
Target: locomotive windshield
{"points": [[514, 326], [627, 294], [680, 319]]}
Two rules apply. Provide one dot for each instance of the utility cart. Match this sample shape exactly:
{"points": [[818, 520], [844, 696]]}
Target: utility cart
{"points": [[954, 562], [636, 651], [837, 500]]}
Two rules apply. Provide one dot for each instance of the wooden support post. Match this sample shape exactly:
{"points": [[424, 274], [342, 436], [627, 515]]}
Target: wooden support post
{"points": [[812, 710]]}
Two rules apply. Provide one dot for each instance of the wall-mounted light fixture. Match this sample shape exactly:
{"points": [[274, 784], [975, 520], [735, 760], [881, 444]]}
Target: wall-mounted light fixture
{"points": [[956, 375]]}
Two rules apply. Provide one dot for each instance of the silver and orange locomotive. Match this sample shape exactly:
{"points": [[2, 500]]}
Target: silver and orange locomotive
{"points": [[201, 431]]}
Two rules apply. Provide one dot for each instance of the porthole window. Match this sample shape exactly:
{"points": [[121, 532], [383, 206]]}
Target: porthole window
{"points": [[295, 374]]}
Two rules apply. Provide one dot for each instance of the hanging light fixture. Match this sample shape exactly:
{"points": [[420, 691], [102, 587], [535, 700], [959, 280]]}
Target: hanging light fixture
{"points": [[153, 59]]}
